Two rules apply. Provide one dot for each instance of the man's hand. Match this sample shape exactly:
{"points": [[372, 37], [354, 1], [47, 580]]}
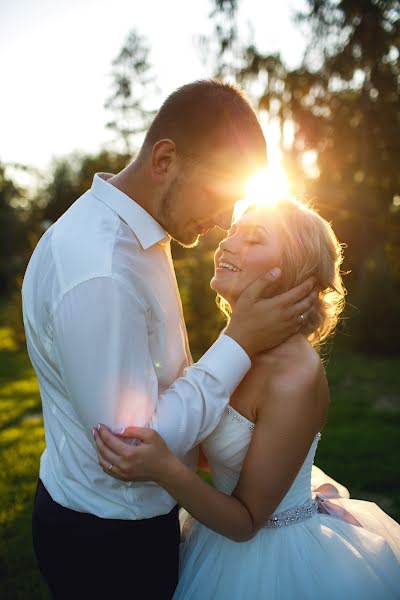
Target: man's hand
{"points": [[150, 460], [260, 323]]}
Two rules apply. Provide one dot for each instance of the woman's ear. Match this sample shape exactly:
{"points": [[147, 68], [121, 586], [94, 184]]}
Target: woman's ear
{"points": [[163, 159]]}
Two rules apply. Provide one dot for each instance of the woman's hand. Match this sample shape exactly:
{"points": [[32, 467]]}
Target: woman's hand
{"points": [[149, 459]]}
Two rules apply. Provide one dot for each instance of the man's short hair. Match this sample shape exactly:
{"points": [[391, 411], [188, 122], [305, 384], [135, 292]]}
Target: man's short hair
{"points": [[207, 116]]}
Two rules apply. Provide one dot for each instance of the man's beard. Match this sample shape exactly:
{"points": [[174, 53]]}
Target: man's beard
{"points": [[168, 221]]}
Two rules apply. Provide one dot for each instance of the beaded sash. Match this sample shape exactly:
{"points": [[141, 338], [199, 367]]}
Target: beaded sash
{"points": [[295, 515]]}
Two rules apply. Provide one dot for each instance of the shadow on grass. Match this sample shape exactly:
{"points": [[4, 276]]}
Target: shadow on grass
{"points": [[359, 445], [14, 363], [21, 444], [19, 576], [20, 451]]}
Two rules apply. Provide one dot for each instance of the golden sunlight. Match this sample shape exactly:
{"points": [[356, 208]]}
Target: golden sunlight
{"points": [[266, 186], [270, 184]]}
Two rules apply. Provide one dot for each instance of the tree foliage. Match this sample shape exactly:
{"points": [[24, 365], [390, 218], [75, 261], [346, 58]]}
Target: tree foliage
{"points": [[10, 228], [133, 86], [343, 104]]}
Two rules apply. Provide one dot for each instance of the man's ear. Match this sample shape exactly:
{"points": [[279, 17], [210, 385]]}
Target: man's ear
{"points": [[163, 159]]}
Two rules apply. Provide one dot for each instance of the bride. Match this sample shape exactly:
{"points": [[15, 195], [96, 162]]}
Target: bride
{"points": [[299, 538]]}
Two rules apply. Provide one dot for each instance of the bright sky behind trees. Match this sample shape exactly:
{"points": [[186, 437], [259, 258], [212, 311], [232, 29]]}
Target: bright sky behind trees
{"points": [[55, 60]]}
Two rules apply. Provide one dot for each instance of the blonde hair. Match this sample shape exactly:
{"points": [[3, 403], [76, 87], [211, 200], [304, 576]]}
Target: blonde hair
{"points": [[310, 247]]}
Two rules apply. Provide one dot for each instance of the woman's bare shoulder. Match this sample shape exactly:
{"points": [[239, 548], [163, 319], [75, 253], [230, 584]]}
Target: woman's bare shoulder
{"points": [[294, 356], [295, 373]]}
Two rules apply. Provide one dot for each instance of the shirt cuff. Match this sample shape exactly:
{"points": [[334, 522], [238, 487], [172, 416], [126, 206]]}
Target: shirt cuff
{"points": [[227, 360]]}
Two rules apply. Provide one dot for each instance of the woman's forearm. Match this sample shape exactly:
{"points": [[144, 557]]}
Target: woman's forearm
{"points": [[218, 511]]}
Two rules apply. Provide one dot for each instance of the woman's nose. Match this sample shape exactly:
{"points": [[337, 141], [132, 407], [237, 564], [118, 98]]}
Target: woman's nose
{"points": [[229, 244]]}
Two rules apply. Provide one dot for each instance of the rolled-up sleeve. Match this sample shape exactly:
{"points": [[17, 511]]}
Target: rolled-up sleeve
{"points": [[100, 338]]}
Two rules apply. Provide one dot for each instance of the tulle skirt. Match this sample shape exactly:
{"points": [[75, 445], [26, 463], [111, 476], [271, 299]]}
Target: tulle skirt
{"points": [[323, 557]]}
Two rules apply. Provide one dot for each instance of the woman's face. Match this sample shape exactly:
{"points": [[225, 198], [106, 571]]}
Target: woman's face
{"points": [[251, 249]]}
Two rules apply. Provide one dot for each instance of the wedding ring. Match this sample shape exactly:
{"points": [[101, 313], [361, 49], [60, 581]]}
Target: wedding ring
{"points": [[109, 468], [302, 320]]}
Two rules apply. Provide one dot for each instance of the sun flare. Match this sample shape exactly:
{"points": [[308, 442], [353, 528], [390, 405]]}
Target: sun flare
{"points": [[268, 185], [265, 188]]}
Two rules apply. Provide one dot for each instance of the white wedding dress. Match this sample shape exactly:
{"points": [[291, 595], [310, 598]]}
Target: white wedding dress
{"points": [[301, 553]]}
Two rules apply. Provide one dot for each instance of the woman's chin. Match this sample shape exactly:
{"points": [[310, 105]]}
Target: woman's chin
{"points": [[217, 285], [221, 288]]}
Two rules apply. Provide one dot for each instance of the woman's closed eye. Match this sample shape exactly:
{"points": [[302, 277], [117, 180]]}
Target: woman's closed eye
{"points": [[251, 241]]}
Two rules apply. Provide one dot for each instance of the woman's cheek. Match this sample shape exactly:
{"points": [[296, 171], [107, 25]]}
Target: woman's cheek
{"points": [[256, 270], [246, 278]]}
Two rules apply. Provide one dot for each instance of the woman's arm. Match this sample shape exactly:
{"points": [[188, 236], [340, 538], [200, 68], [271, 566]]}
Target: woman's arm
{"points": [[285, 429], [152, 460]]}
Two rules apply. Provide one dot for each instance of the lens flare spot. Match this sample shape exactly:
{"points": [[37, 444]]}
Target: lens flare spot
{"points": [[265, 188]]}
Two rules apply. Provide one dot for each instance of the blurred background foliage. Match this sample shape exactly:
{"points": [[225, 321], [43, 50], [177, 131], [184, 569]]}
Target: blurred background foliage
{"points": [[339, 117]]}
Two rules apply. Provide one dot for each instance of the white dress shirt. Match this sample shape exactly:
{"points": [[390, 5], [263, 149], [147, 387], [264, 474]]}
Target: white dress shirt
{"points": [[106, 337]]}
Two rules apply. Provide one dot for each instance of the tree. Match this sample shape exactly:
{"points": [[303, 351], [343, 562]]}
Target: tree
{"points": [[70, 177], [11, 231], [134, 91], [343, 104], [359, 43]]}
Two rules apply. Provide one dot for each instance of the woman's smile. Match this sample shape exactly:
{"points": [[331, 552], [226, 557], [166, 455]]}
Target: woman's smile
{"points": [[251, 248], [226, 266]]}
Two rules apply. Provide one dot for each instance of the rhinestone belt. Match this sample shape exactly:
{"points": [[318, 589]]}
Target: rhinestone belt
{"points": [[294, 516]]}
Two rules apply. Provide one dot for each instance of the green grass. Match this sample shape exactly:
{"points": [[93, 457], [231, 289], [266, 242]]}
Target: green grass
{"points": [[360, 444], [359, 447], [21, 444]]}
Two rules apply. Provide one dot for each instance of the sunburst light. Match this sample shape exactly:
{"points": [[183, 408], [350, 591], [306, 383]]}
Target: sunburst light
{"points": [[266, 186]]}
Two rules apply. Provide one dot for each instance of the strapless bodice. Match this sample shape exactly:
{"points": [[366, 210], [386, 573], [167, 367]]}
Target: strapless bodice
{"points": [[226, 448]]}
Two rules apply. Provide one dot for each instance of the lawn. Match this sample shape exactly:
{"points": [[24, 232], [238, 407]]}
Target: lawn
{"points": [[359, 447], [21, 443]]}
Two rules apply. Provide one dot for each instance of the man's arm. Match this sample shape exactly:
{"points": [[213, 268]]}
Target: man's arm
{"points": [[101, 340], [293, 413]]}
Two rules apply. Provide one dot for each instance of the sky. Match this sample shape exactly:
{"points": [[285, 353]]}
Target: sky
{"points": [[56, 55]]}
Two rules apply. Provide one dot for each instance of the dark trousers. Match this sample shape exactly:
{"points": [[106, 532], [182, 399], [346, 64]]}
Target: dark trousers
{"points": [[82, 556]]}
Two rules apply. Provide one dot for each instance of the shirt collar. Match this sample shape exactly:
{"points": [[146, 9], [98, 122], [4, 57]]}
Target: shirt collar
{"points": [[147, 230]]}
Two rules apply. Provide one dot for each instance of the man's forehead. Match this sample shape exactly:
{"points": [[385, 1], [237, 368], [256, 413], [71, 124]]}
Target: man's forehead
{"points": [[232, 163], [229, 187], [229, 179]]}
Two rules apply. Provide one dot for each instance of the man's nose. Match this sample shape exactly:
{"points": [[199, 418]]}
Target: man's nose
{"points": [[224, 219]]}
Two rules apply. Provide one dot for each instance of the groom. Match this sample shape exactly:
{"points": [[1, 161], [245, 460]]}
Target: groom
{"points": [[106, 337]]}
